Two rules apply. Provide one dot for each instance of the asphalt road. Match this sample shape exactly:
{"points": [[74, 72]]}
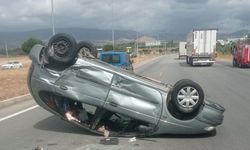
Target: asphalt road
{"points": [[221, 83]]}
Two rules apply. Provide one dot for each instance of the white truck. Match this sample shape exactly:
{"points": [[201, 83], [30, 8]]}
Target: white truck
{"points": [[201, 47], [182, 49]]}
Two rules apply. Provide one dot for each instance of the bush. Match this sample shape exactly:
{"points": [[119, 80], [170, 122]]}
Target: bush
{"points": [[28, 44], [224, 49]]}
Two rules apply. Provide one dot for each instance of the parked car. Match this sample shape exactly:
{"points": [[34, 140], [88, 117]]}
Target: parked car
{"points": [[118, 59], [99, 94], [241, 53], [12, 65]]}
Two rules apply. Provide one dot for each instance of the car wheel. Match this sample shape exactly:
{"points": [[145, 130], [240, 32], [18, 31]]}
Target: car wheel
{"points": [[241, 65], [187, 60], [187, 96], [191, 61], [86, 49], [61, 49], [234, 63]]}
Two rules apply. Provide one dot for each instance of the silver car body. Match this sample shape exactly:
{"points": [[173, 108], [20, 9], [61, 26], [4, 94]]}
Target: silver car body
{"points": [[94, 82]]}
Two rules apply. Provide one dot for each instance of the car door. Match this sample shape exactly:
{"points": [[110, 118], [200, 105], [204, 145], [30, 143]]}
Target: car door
{"points": [[134, 99], [86, 84]]}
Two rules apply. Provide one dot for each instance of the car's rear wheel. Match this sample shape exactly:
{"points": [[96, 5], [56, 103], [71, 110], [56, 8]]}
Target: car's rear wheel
{"points": [[187, 60], [86, 49], [191, 62], [61, 49], [234, 63], [187, 96]]}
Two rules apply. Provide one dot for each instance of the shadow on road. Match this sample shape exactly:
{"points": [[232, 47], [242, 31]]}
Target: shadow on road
{"points": [[56, 124], [184, 64], [182, 58], [174, 136], [229, 65]]}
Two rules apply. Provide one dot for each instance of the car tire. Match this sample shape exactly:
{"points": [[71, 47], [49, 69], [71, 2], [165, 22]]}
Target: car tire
{"points": [[86, 49], [61, 50], [191, 61], [187, 60], [234, 63], [241, 65], [187, 96]]}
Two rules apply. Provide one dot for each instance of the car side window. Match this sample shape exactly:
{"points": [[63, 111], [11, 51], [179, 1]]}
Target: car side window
{"points": [[128, 60], [111, 58], [115, 58]]}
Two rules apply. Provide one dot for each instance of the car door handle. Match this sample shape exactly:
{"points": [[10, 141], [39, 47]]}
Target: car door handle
{"points": [[63, 87], [114, 104]]}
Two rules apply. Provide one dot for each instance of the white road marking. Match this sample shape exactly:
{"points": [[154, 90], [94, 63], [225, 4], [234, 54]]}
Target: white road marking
{"points": [[18, 113]]}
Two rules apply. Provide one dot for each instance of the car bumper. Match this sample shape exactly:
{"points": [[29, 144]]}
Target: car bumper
{"points": [[203, 62], [212, 113]]}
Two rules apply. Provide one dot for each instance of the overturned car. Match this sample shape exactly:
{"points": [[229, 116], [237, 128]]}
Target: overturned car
{"points": [[67, 80]]}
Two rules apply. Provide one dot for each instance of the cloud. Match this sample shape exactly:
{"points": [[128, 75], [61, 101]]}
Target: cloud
{"points": [[175, 16], [191, 1]]}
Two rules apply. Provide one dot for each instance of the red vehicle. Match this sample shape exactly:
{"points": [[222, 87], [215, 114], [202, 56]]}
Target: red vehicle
{"points": [[241, 54]]}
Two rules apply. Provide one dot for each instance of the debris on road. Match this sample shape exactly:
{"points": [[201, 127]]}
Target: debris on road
{"points": [[38, 148], [109, 141]]}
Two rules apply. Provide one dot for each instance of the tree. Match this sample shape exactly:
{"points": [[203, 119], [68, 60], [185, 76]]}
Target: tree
{"points": [[108, 47], [28, 44]]}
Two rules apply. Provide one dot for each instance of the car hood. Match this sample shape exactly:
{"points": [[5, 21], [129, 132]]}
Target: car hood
{"points": [[212, 113]]}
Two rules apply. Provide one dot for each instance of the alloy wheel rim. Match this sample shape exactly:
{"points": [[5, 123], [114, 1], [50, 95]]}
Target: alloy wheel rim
{"points": [[84, 52], [187, 97]]}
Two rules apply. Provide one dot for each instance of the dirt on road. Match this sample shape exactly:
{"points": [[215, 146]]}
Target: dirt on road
{"points": [[224, 57]]}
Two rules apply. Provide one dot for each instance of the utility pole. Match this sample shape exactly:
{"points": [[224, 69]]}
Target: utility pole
{"points": [[166, 46], [158, 38], [6, 49], [113, 33], [137, 42], [137, 36], [52, 17]]}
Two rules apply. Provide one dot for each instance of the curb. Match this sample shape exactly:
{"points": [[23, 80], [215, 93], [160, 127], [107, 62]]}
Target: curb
{"points": [[15, 100]]}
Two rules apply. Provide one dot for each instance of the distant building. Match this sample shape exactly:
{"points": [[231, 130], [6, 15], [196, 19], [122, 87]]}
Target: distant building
{"points": [[153, 43], [222, 42], [99, 50], [149, 41]]}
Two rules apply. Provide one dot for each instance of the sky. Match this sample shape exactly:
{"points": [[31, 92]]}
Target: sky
{"points": [[169, 16]]}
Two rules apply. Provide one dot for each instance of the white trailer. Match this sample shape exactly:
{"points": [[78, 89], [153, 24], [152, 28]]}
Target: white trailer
{"points": [[201, 47], [182, 49]]}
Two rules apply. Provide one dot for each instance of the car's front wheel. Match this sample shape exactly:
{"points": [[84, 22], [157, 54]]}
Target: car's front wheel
{"points": [[187, 96]]}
